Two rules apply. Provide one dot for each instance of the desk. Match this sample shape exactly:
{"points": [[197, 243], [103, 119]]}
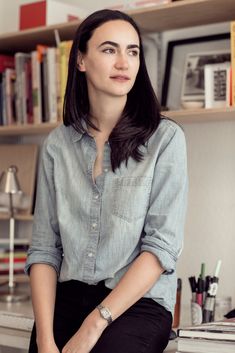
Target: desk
{"points": [[15, 338]]}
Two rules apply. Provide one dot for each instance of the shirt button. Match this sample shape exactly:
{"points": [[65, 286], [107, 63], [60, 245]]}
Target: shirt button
{"points": [[94, 225], [90, 254], [96, 197], [106, 170]]}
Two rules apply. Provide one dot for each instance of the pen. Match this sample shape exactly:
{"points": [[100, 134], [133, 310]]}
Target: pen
{"points": [[208, 311], [202, 275], [199, 295], [193, 285]]}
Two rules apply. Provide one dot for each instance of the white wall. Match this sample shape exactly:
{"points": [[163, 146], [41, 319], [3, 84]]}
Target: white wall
{"points": [[9, 14], [210, 225]]}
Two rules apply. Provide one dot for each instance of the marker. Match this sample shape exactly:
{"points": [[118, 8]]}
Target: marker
{"points": [[202, 276], [199, 295], [217, 269], [193, 285]]}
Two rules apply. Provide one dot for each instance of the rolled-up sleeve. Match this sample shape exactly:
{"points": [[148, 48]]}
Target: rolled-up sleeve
{"points": [[164, 224], [46, 242]]}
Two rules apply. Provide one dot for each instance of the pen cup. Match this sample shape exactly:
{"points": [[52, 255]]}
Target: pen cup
{"points": [[196, 313]]}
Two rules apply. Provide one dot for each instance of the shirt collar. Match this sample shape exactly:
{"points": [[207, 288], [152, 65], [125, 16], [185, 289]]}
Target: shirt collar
{"points": [[77, 135]]}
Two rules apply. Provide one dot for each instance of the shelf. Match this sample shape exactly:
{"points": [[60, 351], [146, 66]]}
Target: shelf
{"points": [[181, 116], [178, 14], [18, 278], [184, 13], [201, 115], [17, 241], [18, 217], [27, 129]]}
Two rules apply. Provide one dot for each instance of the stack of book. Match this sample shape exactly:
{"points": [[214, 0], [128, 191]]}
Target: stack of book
{"points": [[32, 85], [213, 337], [20, 256]]}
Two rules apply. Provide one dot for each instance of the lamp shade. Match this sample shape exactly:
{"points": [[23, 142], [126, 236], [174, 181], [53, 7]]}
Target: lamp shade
{"points": [[12, 185]]}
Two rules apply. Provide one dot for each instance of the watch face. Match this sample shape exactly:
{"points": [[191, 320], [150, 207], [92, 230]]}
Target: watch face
{"points": [[105, 313]]}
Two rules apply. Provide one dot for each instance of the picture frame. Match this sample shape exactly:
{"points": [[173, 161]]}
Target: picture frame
{"points": [[193, 83], [217, 85], [175, 64]]}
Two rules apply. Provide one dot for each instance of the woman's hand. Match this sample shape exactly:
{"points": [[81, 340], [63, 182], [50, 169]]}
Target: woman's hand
{"points": [[88, 334]]}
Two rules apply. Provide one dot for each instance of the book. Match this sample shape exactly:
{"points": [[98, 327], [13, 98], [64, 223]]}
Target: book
{"points": [[232, 42], [36, 87], [219, 330], [6, 61], [52, 84], [217, 85], [64, 48], [10, 78], [199, 345], [21, 64]]}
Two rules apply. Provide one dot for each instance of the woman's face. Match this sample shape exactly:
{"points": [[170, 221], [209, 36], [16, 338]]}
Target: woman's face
{"points": [[111, 62]]}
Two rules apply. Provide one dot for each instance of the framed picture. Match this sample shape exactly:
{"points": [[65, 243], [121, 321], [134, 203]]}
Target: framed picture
{"points": [[182, 54], [193, 85], [217, 85]]}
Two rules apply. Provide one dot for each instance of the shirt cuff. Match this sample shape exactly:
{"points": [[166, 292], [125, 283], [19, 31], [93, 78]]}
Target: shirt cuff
{"points": [[167, 261], [37, 257]]}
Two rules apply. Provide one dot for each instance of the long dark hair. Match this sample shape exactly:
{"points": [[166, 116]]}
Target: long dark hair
{"points": [[141, 114]]}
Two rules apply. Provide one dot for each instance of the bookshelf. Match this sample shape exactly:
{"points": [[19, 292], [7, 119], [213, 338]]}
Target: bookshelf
{"points": [[178, 14], [185, 116]]}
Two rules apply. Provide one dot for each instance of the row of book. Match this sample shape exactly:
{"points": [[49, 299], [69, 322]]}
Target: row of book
{"points": [[32, 85], [213, 337], [20, 255]]}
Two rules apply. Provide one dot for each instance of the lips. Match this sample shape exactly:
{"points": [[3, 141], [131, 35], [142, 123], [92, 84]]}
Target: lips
{"points": [[120, 78]]}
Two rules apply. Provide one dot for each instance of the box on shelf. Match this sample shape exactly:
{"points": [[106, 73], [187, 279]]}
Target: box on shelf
{"points": [[43, 13]]}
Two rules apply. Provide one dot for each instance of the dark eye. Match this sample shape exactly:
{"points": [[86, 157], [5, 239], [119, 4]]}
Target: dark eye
{"points": [[134, 52], [108, 50]]}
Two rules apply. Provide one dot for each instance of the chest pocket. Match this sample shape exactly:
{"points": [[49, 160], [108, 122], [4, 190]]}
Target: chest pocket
{"points": [[130, 197]]}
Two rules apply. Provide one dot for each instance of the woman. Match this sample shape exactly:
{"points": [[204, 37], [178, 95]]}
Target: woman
{"points": [[110, 204]]}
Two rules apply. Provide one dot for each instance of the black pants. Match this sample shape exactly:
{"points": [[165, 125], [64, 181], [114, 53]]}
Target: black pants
{"points": [[143, 328]]}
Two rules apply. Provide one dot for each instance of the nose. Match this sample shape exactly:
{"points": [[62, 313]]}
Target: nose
{"points": [[121, 62]]}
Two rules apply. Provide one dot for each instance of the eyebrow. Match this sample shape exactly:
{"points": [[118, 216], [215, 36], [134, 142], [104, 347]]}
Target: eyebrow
{"points": [[116, 45]]}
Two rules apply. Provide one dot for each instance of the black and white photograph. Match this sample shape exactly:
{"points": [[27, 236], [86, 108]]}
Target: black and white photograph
{"points": [[185, 61], [193, 79]]}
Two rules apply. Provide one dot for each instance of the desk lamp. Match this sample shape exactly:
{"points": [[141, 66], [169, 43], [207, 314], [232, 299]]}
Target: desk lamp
{"points": [[12, 187]]}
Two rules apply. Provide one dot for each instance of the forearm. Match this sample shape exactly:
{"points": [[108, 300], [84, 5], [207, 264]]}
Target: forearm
{"points": [[43, 279], [139, 278]]}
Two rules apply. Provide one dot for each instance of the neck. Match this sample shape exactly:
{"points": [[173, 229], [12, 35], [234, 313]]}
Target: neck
{"points": [[105, 112]]}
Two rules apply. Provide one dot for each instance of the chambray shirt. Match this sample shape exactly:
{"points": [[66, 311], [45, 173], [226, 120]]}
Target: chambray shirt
{"points": [[92, 231]]}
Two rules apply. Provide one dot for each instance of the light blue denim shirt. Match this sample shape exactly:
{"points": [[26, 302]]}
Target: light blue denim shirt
{"points": [[92, 231]]}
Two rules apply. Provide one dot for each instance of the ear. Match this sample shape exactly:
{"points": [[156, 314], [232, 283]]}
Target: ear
{"points": [[80, 62]]}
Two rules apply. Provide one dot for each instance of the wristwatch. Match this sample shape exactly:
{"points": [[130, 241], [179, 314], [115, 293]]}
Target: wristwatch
{"points": [[105, 313]]}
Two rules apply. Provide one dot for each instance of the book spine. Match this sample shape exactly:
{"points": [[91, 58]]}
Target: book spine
{"points": [[52, 94], [6, 61], [4, 105], [36, 88], [20, 102], [232, 41], [45, 87]]}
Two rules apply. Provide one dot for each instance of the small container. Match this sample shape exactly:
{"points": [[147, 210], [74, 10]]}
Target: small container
{"points": [[196, 313]]}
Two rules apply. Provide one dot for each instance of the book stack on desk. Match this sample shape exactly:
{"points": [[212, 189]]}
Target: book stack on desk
{"points": [[213, 337]]}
